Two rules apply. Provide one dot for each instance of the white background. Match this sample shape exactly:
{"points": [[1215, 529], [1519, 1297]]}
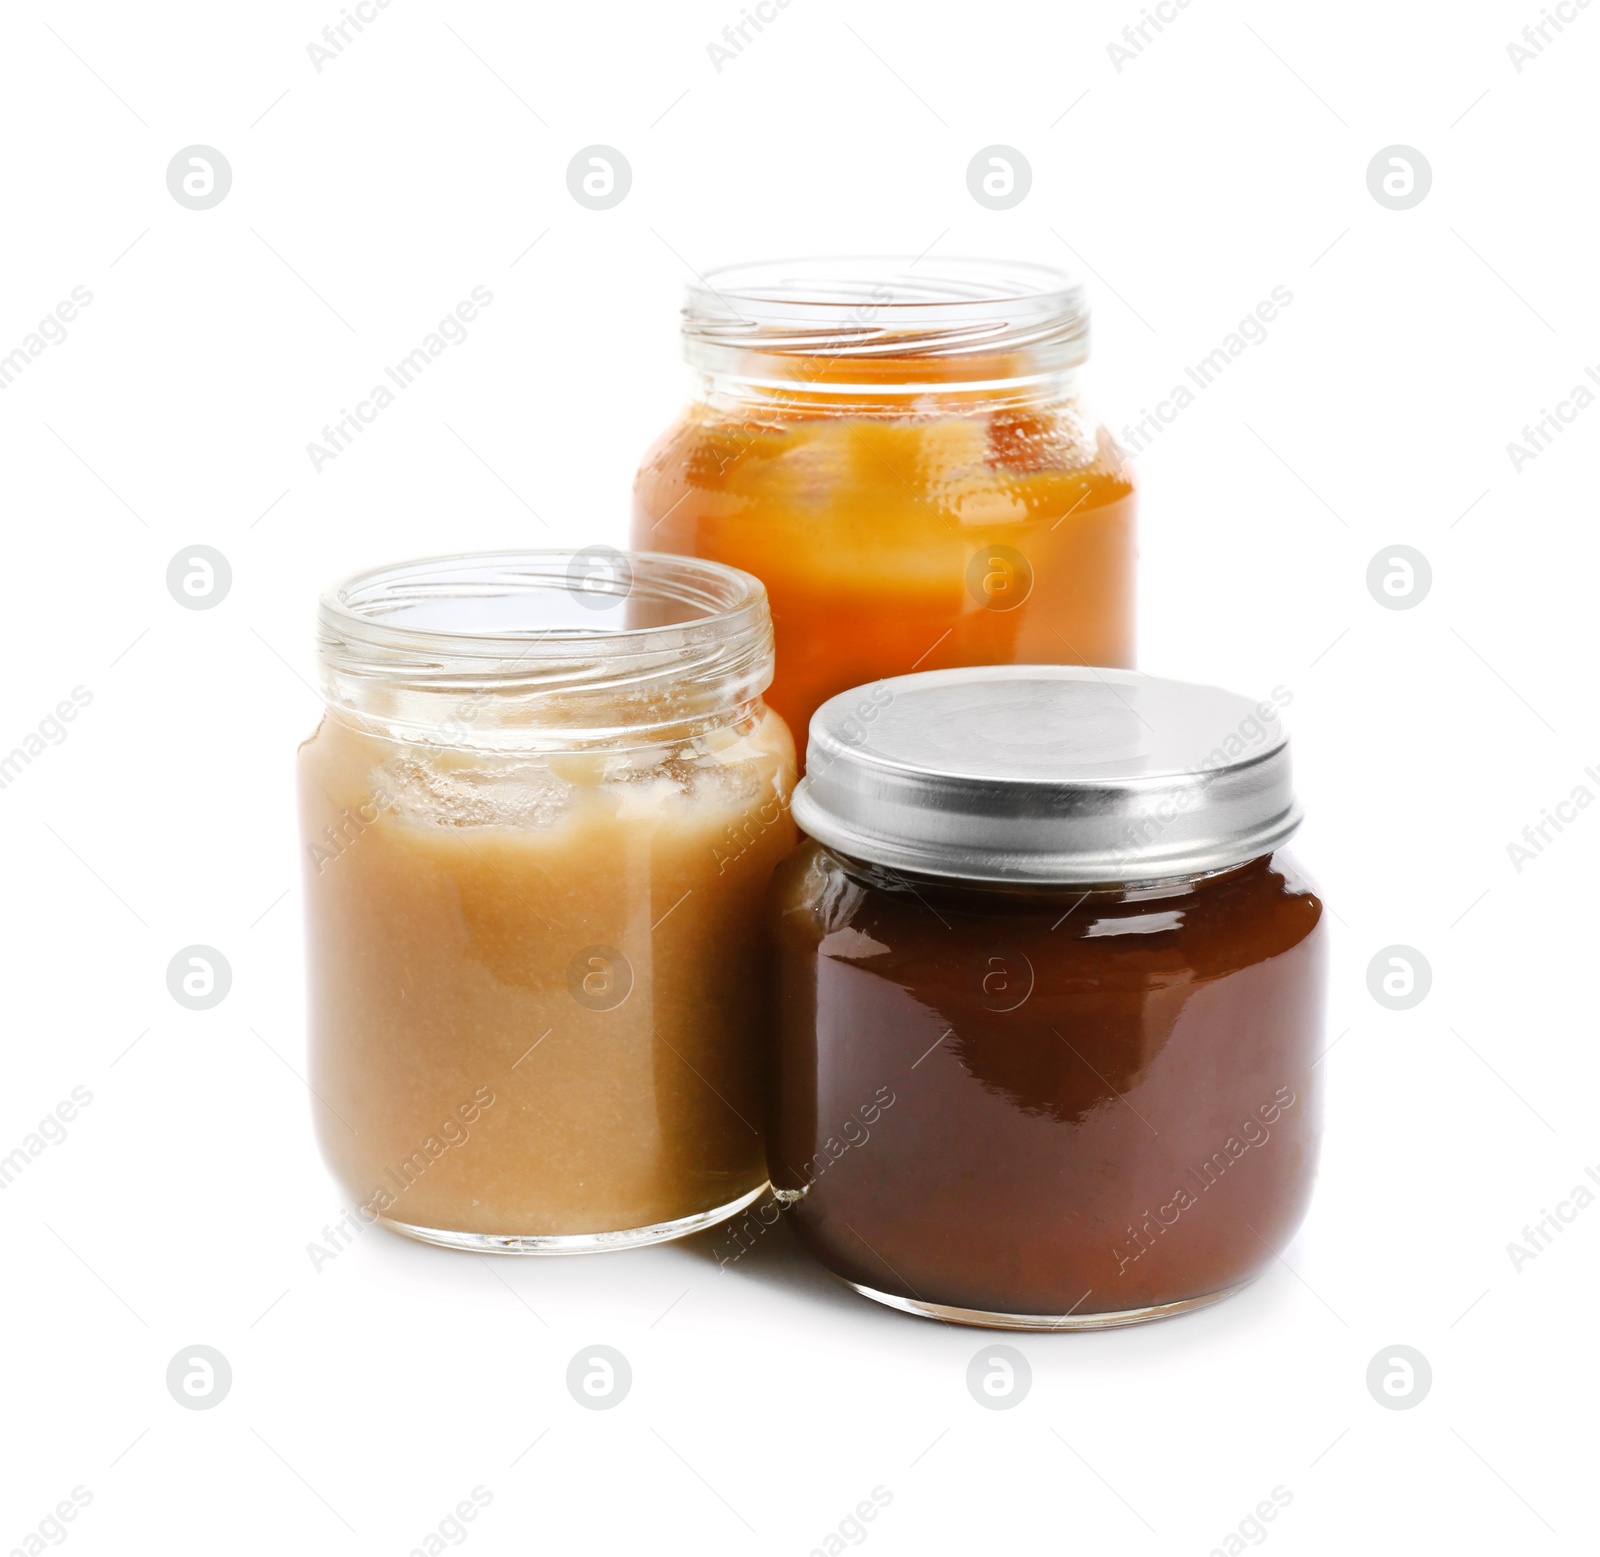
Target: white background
{"points": [[368, 199]]}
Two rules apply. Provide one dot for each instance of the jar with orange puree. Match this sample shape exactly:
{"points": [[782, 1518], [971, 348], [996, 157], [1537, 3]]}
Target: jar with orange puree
{"points": [[899, 450]]}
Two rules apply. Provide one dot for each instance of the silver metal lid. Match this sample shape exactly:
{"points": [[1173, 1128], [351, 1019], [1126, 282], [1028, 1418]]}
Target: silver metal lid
{"points": [[1047, 773]]}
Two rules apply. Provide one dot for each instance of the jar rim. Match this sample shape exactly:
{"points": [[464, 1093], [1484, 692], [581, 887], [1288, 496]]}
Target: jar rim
{"points": [[707, 599], [506, 635], [887, 306]]}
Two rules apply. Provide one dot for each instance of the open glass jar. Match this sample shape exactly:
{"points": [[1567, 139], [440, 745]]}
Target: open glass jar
{"points": [[539, 815], [900, 450], [1048, 997]]}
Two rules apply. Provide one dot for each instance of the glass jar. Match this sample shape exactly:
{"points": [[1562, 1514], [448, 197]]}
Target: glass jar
{"points": [[1048, 997], [539, 815], [899, 450]]}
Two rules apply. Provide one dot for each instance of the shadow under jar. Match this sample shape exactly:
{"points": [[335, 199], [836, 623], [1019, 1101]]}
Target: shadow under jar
{"points": [[539, 816], [900, 449], [1048, 998]]}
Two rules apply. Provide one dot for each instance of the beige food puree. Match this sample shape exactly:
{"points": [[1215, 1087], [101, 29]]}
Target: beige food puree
{"points": [[535, 983]]}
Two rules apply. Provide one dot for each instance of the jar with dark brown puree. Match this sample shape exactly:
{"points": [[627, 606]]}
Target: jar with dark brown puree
{"points": [[1045, 1101]]}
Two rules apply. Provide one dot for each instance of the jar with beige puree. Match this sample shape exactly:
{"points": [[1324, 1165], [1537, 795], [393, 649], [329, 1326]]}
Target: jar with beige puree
{"points": [[539, 815]]}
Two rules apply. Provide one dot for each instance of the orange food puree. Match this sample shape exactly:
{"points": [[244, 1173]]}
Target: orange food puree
{"points": [[899, 537]]}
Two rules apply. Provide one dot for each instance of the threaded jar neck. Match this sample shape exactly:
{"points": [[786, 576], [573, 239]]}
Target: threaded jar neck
{"points": [[834, 330], [526, 651]]}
